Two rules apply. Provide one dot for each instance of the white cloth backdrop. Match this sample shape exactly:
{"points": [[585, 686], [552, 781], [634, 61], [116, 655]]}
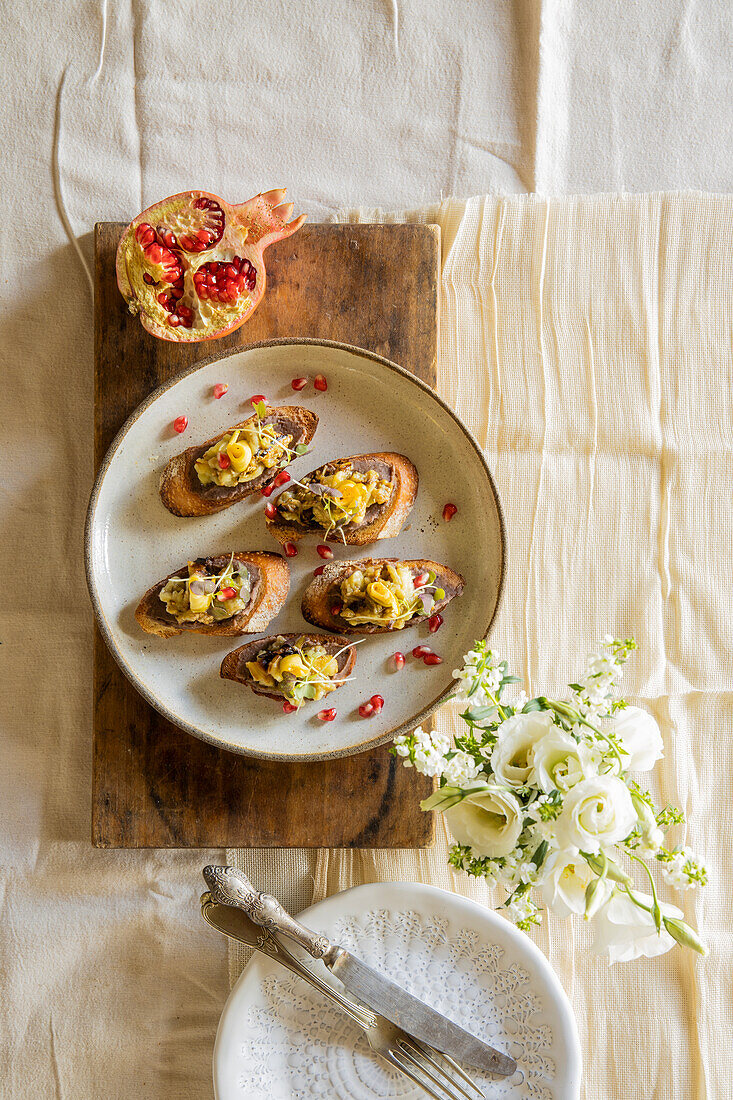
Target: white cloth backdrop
{"points": [[111, 985]]}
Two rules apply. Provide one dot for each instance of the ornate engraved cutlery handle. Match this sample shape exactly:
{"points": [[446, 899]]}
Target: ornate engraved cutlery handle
{"points": [[228, 886]]}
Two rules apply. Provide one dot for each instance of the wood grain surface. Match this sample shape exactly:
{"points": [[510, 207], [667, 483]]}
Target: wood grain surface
{"points": [[154, 786]]}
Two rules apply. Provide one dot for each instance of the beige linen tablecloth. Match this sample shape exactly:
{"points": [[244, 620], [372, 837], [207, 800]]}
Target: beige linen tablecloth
{"points": [[588, 344]]}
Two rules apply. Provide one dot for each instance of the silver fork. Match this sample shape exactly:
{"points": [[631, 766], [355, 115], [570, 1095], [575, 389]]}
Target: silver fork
{"points": [[437, 1074]]}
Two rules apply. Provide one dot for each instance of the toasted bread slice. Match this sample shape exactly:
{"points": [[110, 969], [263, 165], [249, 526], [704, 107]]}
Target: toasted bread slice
{"points": [[181, 490], [382, 521], [234, 665], [270, 581], [323, 594]]}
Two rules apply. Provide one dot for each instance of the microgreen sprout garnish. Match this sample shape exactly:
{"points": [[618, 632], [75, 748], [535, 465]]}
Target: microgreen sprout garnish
{"points": [[289, 453], [538, 796]]}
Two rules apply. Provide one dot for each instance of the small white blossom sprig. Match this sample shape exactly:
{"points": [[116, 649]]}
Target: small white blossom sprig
{"points": [[538, 797]]}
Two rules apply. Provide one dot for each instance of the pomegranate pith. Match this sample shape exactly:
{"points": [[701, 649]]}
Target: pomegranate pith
{"points": [[193, 266]]}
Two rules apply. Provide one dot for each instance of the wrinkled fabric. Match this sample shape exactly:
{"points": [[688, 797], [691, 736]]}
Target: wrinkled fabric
{"points": [[112, 986]]}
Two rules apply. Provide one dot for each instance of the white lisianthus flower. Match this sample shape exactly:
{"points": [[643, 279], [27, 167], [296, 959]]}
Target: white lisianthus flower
{"points": [[560, 761], [566, 879], [596, 812], [512, 759], [488, 821], [624, 931], [640, 737]]}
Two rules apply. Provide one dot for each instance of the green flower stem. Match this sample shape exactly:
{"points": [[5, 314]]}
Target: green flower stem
{"points": [[568, 712]]}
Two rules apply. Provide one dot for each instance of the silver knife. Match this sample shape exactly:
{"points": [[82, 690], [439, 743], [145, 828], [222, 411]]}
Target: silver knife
{"points": [[228, 886]]}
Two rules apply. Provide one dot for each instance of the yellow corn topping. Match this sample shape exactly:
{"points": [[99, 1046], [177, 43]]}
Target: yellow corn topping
{"points": [[383, 593], [249, 452]]}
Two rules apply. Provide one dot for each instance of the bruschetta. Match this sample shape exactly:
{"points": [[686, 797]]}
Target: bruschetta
{"points": [[354, 500], [228, 594], [376, 595], [292, 668], [238, 462]]}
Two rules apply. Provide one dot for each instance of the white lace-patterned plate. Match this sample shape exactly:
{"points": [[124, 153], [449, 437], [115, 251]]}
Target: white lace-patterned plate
{"points": [[132, 541], [279, 1038]]}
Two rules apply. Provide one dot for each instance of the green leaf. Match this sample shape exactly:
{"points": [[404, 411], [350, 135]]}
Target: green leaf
{"points": [[301, 449], [478, 714], [431, 577], [532, 705], [261, 409], [439, 593]]}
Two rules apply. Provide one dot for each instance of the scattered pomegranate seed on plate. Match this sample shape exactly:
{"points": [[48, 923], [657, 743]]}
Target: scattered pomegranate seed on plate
{"points": [[377, 702], [448, 512], [317, 572], [320, 383], [366, 709], [289, 707], [220, 389], [432, 659], [399, 660], [257, 399], [290, 549], [324, 551], [435, 622], [180, 424], [327, 715], [282, 478], [266, 490], [421, 651], [299, 383], [224, 460], [270, 510], [228, 593]]}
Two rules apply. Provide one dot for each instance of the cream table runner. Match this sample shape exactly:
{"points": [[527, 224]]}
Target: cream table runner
{"points": [[587, 342]]}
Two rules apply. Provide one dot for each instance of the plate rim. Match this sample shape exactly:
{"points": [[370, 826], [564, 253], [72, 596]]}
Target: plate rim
{"points": [[460, 903], [142, 688]]}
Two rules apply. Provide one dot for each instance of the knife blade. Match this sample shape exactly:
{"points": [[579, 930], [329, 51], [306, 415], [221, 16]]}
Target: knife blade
{"points": [[229, 886]]}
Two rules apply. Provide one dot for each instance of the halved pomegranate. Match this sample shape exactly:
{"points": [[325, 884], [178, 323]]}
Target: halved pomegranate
{"points": [[193, 265]]}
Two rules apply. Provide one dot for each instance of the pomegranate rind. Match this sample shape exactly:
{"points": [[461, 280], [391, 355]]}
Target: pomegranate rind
{"points": [[249, 229]]}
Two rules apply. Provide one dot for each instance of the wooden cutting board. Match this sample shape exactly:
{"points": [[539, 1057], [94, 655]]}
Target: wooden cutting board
{"points": [[154, 786]]}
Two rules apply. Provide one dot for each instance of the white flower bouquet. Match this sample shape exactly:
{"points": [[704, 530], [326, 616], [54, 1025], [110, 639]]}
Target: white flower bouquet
{"points": [[537, 794]]}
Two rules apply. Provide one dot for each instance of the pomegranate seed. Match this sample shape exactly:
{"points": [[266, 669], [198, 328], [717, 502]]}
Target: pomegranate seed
{"points": [[231, 271], [324, 551], [290, 549], [432, 659], [220, 389], [282, 478], [257, 399], [448, 512], [421, 579], [174, 321], [377, 702], [155, 253], [270, 510], [299, 383], [336, 609], [317, 572], [327, 715], [224, 460], [163, 298], [180, 424], [320, 383], [366, 709], [228, 593], [421, 651], [435, 622], [266, 490], [399, 660], [289, 707], [148, 278]]}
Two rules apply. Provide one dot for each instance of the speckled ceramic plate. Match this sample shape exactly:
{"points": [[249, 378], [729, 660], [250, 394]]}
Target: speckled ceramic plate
{"points": [[132, 541], [278, 1037]]}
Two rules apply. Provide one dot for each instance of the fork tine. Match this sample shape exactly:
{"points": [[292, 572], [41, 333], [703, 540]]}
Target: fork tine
{"points": [[443, 1081], [429, 1053], [414, 1077]]}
